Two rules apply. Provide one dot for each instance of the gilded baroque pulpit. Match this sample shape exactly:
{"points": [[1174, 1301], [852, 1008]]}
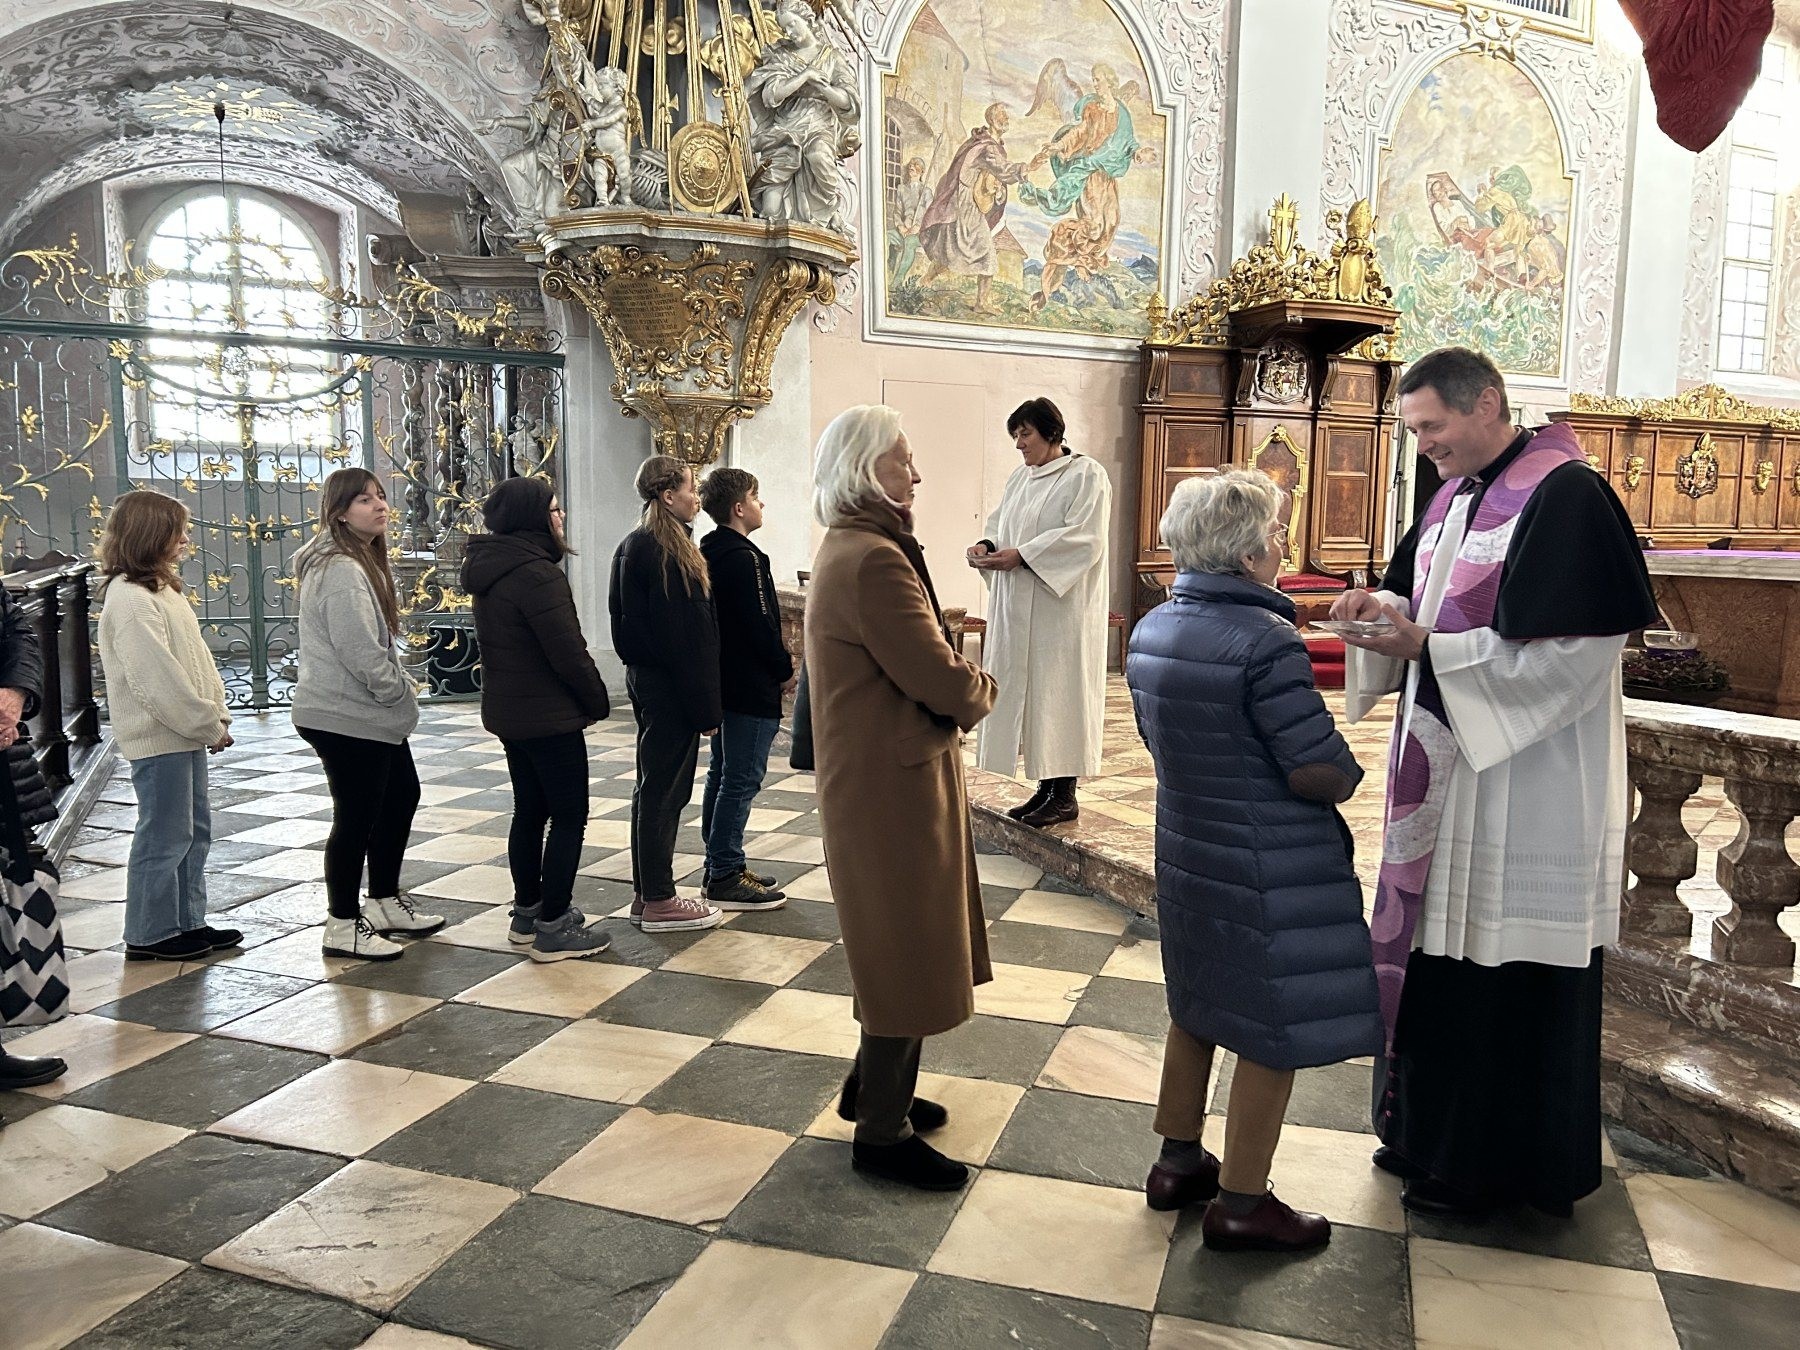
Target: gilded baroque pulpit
{"points": [[1283, 366]]}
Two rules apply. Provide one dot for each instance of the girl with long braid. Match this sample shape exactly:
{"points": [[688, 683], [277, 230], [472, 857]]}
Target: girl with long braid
{"points": [[664, 630]]}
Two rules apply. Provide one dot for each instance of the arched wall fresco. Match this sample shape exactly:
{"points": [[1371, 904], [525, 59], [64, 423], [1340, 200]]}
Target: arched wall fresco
{"points": [[1475, 200], [1057, 225]]}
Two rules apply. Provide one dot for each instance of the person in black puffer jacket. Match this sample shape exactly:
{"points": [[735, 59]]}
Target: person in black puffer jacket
{"points": [[21, 677], [665, 631], [30, 803], [540, 690], [1265, 951]]}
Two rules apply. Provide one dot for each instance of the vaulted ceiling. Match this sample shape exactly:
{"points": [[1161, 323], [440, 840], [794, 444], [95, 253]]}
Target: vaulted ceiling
{"points": [[369, 98]]}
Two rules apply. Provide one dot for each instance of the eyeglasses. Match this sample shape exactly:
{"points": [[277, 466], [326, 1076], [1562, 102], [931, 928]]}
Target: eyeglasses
{"points": [[558, 511], [1279, 534]]}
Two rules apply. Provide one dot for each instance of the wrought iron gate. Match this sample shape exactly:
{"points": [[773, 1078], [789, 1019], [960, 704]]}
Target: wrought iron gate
{"points": [[241, 420]]}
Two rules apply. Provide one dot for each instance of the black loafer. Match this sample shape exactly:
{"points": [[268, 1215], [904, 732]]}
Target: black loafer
{"points": [[1427, 1195], [23, 1071], [1397, 1164]]}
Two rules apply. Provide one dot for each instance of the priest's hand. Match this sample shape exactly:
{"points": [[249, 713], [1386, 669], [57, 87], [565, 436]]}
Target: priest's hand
{"points": [[1357, 606], [1005, 560], [977, 553], [1405, 643]]}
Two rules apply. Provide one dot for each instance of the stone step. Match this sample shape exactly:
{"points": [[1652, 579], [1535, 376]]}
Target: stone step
{"points": [[1729, 1100]]}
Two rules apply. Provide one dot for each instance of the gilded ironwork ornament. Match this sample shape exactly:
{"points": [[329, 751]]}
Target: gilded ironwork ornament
{"points": [[1765, 475]]}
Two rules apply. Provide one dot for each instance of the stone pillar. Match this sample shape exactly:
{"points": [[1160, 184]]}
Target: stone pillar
{"points": [[1759, 876], [1661, 852], [1275, 112], [601, 451], [1653, 249]]}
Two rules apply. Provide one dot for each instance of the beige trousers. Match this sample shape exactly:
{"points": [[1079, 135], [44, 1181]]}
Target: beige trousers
{"points": [[1259, 1096]]}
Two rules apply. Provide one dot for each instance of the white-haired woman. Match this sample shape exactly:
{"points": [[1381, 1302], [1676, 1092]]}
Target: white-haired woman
{"points": [[1265, 951], [890, 700]]}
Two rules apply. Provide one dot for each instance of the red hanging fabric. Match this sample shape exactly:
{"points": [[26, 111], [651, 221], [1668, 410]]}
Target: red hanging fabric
{"points": [[1702, 57]]}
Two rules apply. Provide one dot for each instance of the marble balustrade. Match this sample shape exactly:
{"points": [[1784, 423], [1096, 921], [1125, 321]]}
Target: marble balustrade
{"points": [[1759, 760]]}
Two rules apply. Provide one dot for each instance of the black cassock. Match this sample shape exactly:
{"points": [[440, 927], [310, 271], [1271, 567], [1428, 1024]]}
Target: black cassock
{"points": [[1494, 1083]]}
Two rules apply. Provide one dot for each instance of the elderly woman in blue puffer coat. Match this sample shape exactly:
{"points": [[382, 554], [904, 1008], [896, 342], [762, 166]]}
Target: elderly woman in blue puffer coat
{"points": [[1265, 949]]}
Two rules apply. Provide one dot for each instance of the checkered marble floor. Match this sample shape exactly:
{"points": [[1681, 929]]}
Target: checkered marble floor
{"points": [[459, 1147]]}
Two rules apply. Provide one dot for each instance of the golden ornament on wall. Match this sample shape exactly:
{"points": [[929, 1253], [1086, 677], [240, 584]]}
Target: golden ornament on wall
{"points": [[1765, 475], [1634, 472], [1704, 403], [1697, 472], [1282, 268]]}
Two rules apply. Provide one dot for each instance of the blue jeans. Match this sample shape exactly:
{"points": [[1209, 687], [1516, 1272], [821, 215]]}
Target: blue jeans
{"points": [[165, 880], [740, 758]]}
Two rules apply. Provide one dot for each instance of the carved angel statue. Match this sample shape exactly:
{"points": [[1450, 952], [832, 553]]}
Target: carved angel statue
{"points": [[804, 107]]}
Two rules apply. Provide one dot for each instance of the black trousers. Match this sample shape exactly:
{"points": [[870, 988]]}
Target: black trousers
{"points": [[550, 787], [1494, 1084], [374, 792], [887, 1074], [668, 751]]}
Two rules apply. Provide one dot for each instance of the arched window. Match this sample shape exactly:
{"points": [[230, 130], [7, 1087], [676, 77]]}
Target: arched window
{"points": [[236, 261]]}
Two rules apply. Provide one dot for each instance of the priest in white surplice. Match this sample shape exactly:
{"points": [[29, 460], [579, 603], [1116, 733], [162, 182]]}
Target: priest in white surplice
{"points": [[1045, 564], [1511, 599]]}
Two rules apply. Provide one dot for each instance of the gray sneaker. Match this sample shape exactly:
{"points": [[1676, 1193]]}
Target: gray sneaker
{"points": [[564, 939], [524, 923]]}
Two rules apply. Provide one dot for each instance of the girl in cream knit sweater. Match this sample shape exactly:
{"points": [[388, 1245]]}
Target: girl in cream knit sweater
{"points": [[167, 706]]}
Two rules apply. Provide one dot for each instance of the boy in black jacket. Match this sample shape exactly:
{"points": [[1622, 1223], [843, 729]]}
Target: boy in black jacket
{"points": [[755, 669]]}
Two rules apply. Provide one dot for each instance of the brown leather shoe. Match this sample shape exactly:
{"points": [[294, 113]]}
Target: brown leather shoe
{"points": [[1271, 1227], [1166, 1190]]}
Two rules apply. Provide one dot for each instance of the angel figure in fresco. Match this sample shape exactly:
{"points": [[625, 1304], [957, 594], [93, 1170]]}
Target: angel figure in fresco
{"points": [[1093, 149]]}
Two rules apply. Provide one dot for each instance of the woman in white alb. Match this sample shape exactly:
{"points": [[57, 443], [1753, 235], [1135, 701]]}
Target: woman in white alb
{"points": [[1045, 564]]}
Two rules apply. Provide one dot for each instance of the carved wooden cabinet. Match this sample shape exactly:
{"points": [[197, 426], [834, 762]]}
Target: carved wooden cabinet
{"points": [[1285, 396]]}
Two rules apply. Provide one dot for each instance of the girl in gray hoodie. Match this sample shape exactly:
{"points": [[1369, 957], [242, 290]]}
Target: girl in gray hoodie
{"points": [[355, 705]]}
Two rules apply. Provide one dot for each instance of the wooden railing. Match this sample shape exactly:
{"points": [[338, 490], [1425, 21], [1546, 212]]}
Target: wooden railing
{"points": [[1759, 760], [54, 594]]}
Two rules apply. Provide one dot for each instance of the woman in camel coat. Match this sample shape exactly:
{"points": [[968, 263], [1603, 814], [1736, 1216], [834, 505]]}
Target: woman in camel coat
{"points": [[890, 700]]}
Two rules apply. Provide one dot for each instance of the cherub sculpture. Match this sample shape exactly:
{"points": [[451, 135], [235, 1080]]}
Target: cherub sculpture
{"points": [[606, 129]]}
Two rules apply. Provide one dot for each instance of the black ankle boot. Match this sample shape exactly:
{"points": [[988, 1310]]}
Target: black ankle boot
{"points": [[924, 1114], [1035, 802], [1058, 809], [911, 1162]]}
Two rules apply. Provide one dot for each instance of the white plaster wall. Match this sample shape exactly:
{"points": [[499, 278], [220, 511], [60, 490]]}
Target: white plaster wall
{"points": [[1274, 115], [1654, 250], [776, 446]]}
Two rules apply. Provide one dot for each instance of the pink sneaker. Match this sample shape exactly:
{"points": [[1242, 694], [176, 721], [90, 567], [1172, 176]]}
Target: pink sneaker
{"points": [[677, 914]]}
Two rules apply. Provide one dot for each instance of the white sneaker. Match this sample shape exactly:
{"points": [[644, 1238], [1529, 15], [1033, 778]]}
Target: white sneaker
{"points": [[396, 914], [357, 939]]}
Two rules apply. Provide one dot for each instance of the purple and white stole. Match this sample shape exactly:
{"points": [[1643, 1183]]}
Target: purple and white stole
{"points": [[1420, 764]]}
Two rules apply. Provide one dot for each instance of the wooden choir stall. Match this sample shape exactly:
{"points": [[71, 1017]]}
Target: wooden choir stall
{"points": [[1281, 366]]}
